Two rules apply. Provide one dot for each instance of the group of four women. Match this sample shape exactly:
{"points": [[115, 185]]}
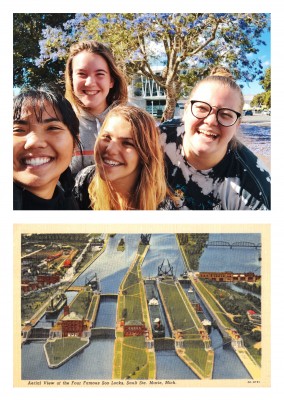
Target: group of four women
{"points": [[93, 150]]}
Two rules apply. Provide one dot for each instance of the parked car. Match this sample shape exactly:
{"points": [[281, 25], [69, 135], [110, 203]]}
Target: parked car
{"points": [[248, 112], [266, 112]]}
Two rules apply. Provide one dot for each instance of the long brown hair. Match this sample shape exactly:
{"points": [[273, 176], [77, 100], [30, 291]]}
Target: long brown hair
{"points": [[151, 188], [118, 93]]}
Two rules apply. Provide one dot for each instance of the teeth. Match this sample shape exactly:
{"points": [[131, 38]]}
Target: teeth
{"points": [[112, 163], [208, 133], [37, 161], [90, 92]]}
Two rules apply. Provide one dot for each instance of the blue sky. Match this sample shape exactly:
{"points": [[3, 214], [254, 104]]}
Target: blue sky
{"points": [[265, 56]]}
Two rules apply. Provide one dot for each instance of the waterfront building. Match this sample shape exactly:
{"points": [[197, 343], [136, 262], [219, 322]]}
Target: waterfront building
{"points": [[229, 276]]}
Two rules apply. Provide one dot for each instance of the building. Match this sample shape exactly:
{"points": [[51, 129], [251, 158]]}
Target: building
{"points": [[147, 94], [229, 276], [71, 324], [134, 328]]}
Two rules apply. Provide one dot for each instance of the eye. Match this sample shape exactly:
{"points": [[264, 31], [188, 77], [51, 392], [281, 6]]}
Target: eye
{"points": [[227, 114], [55, 127], [128, 143], [105, 137], [18, 130]]}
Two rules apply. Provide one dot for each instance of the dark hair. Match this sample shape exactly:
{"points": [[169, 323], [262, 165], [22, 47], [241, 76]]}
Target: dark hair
{"points": [[118, 93], [35, 99]]}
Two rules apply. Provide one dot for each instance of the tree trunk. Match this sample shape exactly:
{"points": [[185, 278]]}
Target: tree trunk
{"points": [[171, 100]]}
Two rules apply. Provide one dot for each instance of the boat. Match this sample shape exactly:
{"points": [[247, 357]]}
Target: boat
{"points": [[158, 328], [56, 304], [93, 282]]}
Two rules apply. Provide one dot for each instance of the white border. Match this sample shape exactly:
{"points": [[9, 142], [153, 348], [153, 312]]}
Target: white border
{"points": [[8, 218]]}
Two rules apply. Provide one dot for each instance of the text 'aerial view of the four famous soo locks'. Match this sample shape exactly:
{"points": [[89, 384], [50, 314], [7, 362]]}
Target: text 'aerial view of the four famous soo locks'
{"points": [[162, 111]]}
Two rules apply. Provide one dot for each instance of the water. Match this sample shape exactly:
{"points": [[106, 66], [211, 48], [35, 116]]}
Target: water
{"points": [[95, 362], [235, 259]]}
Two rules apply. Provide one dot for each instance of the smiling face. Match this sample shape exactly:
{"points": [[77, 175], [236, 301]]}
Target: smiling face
{"points": [[205, 141], [91, 81], [116, 154], [42, 150]]}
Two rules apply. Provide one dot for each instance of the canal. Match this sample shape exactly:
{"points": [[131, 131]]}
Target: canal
{"points": [[95, 362]]}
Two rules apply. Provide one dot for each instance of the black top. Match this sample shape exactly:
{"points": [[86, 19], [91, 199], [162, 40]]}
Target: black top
{"points": [[25, 200], [238, 182]]}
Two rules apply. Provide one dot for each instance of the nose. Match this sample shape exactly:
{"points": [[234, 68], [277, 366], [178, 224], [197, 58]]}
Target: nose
{"points": [[112, 147], [89, 81], [212, 118], [34, 140]]}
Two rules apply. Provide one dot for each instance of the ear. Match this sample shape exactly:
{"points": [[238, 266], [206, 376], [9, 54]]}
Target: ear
{"points": [[111, 85]]}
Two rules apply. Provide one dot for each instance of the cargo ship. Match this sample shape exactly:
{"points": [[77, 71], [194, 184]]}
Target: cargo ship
{"points": [[158, 328], [56, 304]]}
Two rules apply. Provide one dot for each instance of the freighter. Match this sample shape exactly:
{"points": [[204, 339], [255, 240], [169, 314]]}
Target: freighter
{"points": [[158, 328], [56, 304]]}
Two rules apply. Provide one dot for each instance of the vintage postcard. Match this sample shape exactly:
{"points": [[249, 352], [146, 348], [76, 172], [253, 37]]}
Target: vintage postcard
{"points": [[124, 305]]}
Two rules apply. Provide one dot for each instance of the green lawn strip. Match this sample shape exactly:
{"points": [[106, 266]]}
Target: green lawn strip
{"points": [[214, 305], [194, 349], [81, 303], [116, 372], [131, 354], [134, 358], [93, 308], [179, 314], [191, 310], [59, 349]]}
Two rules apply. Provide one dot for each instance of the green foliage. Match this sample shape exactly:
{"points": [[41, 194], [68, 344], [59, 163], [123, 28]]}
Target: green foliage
{"points": [[188, 45], [27, 33], [263, 99]]}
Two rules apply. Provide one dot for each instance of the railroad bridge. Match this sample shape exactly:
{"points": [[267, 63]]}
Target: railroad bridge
{"points": [[222, 243]]}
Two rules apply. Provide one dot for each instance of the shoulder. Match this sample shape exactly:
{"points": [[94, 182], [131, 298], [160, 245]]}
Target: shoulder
{"points": [[82, 182], [172, 129], [17, 197], [85, 175], [256, 177], [253, 164]]}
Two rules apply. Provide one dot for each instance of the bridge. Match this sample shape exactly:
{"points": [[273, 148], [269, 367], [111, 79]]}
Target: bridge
{"points": [[222, 243]]}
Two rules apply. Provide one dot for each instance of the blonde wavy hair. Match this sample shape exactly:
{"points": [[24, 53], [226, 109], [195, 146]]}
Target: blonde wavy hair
{"points": [[117, 94], [151, 187]]}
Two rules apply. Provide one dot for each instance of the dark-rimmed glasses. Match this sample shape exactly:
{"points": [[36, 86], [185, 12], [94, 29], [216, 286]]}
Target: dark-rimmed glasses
{"points": [[225, 116]]}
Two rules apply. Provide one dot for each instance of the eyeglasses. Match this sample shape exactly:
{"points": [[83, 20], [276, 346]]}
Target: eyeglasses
{"points": [[225, 116]]}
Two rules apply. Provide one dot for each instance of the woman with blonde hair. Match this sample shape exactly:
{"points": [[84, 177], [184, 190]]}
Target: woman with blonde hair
{"points": [[129, 168], [94, 85], [205, 161]]}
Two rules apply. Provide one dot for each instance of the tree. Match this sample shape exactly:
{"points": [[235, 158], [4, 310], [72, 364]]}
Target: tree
{"points": [[27, 32], [187, 45], [264, 99]]}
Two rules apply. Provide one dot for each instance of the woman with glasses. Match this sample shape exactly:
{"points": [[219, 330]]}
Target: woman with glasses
{"points": [[206, 164]]}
